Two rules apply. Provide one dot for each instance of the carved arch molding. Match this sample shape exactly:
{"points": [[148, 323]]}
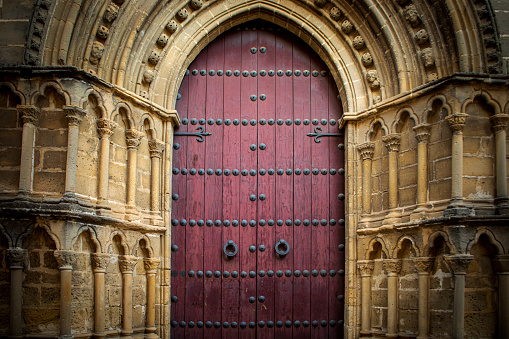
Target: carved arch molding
{"points": [[374, 49]]}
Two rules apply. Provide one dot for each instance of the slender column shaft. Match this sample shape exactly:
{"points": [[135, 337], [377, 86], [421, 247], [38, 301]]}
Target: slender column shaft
{"points": [[392, 142], [30, 116], [133, 138], [459, 265], [392, 267], [499, 122], [100, 262], [65, 261], [501, 266], [367, 151], [74, 116], [151, 266], [16, 259], [366, 269], [422, 136], [105, 130], [423, 266], [156, 149], [456, 123], [127, 264]]}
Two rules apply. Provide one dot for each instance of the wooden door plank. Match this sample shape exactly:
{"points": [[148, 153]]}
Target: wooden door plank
{"points": [[284, 182], [320, 204], [266, 182], [248, 183], [213, 251], [302, 188], [231, 161]]}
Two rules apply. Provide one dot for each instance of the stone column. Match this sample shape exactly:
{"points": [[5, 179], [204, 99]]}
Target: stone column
{"points": [[392, 142], [457, 206], [499, 122], [100, 262], [459, 265], [423, 266], [65, 261], [151, 265], [156, 151], [30, 115], [501, 266], [133, 138], [127, 264], [16, 262], [367, 151], [74, 115], [105, 129], [392, 267], [422, 135], [366, 269]]}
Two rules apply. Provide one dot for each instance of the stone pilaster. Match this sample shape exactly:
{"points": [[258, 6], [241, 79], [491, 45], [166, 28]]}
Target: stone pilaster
{"points": [[392, 142], [65, 260], [457, 207], [422, 134], [133, 138], [127, 264], [105, 129], [392, 267], [100, 263], [74, 115], [156, 148], [151, 265], [499, 122], [366, 268], [501, 267], [459, 265], [366, 150], [30, 116], [16, 260], [423, 266]]}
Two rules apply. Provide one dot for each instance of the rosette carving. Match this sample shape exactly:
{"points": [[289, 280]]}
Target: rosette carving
{"points": [[127, 263]]}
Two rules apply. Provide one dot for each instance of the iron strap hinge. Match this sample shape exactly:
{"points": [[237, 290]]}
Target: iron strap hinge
{"points": [[199, 135], [317, 134]]}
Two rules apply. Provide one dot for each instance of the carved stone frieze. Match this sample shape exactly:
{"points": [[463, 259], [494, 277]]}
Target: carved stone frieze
{"points": [[103, 32], [347, 27], [367, 59], [499, 122], [182, 14], [392, 266], [457, 121], [335, 13], [29, 114], [196, 4], [392, 142], [133, 138], [97, 52], [422, 132], [153, 58], [421, 37], [111, 12], [151, 264], [423, 264], [372, 78], [367, 150], [15, 257], [412, 16], [459, 263], [358, 42], [65, 258], [127, 263], [365, 267], [156, 147], [171, 26], [74, 115], [162, 40], [148, 76], [105, 127], [100, 261]]}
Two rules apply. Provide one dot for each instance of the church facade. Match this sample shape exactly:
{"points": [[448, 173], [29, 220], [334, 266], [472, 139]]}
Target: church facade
{"points": [[229, 168]]}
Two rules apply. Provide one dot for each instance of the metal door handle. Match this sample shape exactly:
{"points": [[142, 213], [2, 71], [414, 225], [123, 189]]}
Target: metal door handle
{"points": [[285, 248], [227, 252]]}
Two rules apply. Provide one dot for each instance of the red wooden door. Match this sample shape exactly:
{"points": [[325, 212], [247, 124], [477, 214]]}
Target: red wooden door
{"points": [[258, 192]]}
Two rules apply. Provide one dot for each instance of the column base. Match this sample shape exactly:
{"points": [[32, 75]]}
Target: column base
{"points": [[458, 209], [23, 195], [365, 334], [99, 335]]}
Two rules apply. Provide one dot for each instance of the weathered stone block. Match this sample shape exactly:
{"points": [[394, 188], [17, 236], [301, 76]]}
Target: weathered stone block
{"points": [[50, 295], [10, 138], [478, 166], [38, 320], [33, 277], [51, 138], [479, 146], [17, 10], [113, 316], [138, 316], [481, 325], [35, 259], [477, 300], [439, 190], [54, 160], [53, 119], [10, 157], [443, 169], [407, 196], [31, 296], [114, 296], [408, 300], [441, 300], [441, 324], [479, 188], [50, 261], [408, 176], [407, 158], [8, 116], [439, 150], [51, 278], [408, 321], [10, 180], [13, 32], [49, 182], [379, 298]]}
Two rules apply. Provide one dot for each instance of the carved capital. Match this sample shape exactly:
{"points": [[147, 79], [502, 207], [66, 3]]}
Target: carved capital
{"points": [[132, 138], [423, 264], [459, 263], [499, 122], [457, 121], [501, 263], [65, 259], [16, 257], [151, 264], [392, 266], [156, 148], [127, 263], [74, 115], [422, 132], [367, 150], [100, 261], [28, 113], [366, 267], [105, 127], [392, 142]]}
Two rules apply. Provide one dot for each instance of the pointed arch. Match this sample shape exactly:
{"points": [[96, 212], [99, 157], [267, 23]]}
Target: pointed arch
{"points": [[431, 102], [371, 130], [15, 91], [431, 240], [489, 234], [123, 242], [396, 125], [100, 102], [93, 236], [148, 246], [401, 243], [487, 98], [54, 85], [151, 131], [128, 116], [372, 248]]}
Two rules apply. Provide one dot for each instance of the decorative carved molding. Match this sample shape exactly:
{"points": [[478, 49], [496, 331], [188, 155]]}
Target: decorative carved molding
{"points": [[499, 122], [457, 121], [392, 142], [105, 127], [133, 138], [372, 78], [367, 150], [156, 147], [459, 263], [74, 115], [366, 267], [127, 263], [16, 257], [422, 132], [100, 261], [65, 258], [151, 265], [29, 114], [392, 266], [423, 264], [412, 16]]}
